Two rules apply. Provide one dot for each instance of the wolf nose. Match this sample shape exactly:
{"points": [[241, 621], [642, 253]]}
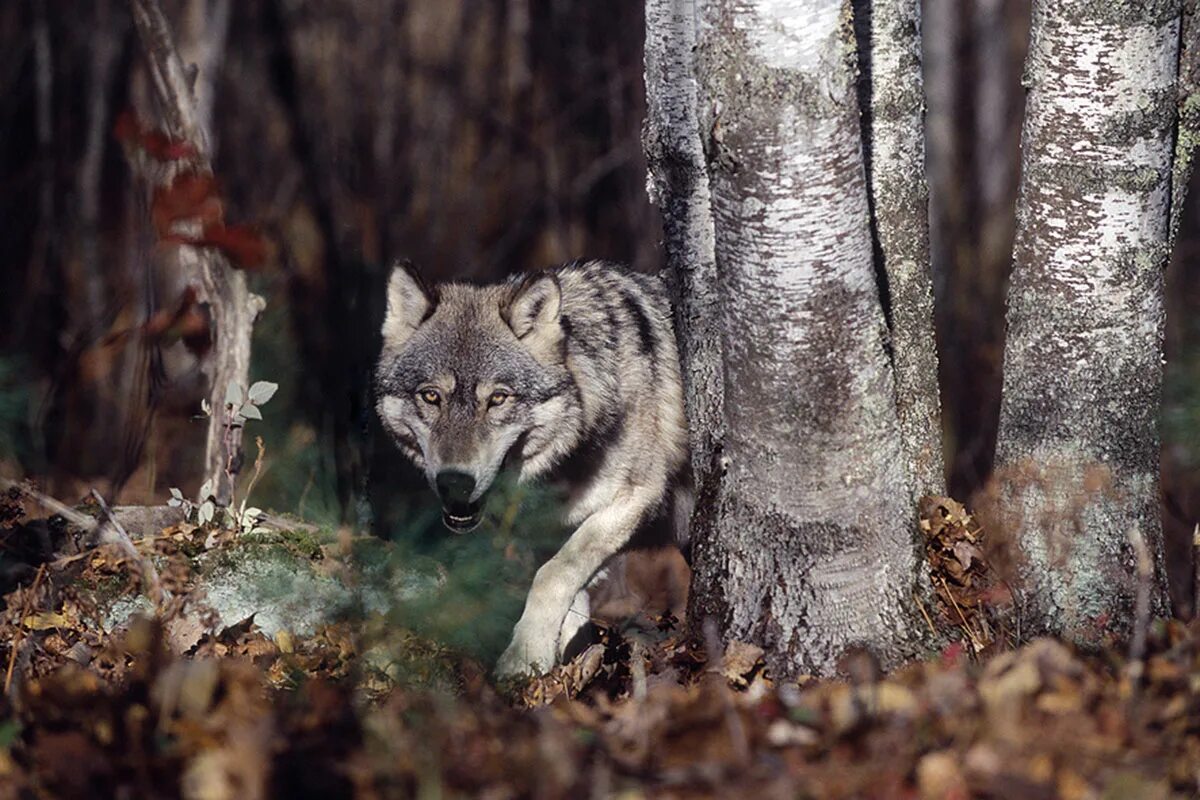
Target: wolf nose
{"points": [[455, 487]]}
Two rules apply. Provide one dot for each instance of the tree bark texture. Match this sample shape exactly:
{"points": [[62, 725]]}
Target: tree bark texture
{"points": [[808, 548], [1078, 450], [679, 185], [1187, 134], [895, 140], [233, 308]]}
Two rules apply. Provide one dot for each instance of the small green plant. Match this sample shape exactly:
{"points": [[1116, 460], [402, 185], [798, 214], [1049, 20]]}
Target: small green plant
{"points": [[240, 406]]}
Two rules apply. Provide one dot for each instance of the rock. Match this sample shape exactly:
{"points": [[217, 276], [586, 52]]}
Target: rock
{"points": [[290, 583]]}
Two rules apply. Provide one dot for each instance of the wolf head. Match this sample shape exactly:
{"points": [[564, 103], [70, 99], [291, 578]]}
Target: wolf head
{"points": [[469, 376]]}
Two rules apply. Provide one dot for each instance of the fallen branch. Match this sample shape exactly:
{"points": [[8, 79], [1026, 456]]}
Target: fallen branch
{"points": [[109, 532], [66, 512], [19, 645], [120, 538], [1145, 579]]}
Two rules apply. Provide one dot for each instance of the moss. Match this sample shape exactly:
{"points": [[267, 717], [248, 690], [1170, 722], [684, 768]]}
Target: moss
{"points": [[279, 585], [104, 589], [301, 542]]}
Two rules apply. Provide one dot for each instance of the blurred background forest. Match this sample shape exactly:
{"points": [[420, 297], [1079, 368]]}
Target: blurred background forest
{"points": [[474, 137]]}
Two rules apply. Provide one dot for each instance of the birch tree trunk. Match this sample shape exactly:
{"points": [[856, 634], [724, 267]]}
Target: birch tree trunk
{"points": [[808, 546], [234, 309], [1187, 134], [679, 185], [900, 211], [1077, 456]]}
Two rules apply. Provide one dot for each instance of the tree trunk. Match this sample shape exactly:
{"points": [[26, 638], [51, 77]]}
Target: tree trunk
{"points": [[234, 309], [204, 28], [1188, 100], [808, 543], [679, 185], [895, 142], [1077, 456]]}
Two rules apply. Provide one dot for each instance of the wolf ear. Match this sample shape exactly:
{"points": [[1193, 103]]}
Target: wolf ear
{"points": [[409, 303], [533, 304]]}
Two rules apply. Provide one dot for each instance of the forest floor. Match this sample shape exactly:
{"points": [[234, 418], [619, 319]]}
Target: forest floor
{"points": [[647, 711]]}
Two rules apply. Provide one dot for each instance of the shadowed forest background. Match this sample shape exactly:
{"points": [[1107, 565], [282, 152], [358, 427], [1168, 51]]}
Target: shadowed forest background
{"points": [[474, 138]]}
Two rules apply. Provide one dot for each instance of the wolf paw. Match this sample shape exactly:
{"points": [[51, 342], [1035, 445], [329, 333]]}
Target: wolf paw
{"points": [[520, 658]]}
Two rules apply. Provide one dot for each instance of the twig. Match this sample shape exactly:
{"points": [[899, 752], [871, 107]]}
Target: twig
{"points": [[149, 574], [1145, 577], [67, 513], [733, 722], [91, 551], [925, 614], [19, 643], [975, 643], [637, 671], [237, 512], [1196, 571], [168, 74]]}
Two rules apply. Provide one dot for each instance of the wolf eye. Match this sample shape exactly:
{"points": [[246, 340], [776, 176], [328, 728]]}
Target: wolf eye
{"points": [[430, 396], [497, 398]]}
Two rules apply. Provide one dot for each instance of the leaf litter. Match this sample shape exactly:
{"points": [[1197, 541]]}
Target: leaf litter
{"points": [[361, 709]]}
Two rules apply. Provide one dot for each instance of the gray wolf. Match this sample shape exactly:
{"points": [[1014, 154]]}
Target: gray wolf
{"points": [[569, 373]]}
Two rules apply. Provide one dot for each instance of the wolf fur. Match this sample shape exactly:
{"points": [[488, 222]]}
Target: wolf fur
{"points": [[570, 373]]}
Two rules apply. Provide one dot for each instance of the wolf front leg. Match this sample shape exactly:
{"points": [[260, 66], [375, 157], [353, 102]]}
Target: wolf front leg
{"points": [[577, 616], [535, 642]]}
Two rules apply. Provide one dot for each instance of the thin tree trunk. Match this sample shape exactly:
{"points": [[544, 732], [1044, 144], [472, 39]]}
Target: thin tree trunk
{"points": [[1077, 456], [809, 545], [1188, 97], [234, 309], [88, 284], [900, 210], [679, 186], [204, 29]]}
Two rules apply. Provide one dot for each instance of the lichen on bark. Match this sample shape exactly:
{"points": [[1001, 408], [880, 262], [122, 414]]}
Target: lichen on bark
{"points": [[678, 183], [895, 141], [810, 543], [1077, 456]]}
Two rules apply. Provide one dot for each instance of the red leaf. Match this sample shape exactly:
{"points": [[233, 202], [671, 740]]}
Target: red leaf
{"points": [[130, 130], [166, 320], [191, 196], [188, 321], [126, 128], [242, 244], [195, 329], [953, 654], [164, 148]]}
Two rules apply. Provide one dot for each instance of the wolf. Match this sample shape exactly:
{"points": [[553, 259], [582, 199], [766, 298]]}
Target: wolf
{"points": [[570, 374]]}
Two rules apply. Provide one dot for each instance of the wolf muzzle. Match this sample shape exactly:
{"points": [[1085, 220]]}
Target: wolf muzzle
{"points": [[459, 513]]}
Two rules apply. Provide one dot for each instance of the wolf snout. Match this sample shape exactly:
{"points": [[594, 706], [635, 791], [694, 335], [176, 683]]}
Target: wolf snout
{"points": [[455, 487], [459, 512]]}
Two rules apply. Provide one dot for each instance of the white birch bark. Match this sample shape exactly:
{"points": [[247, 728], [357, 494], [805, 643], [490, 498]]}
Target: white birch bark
{"points": [[900, 207], [810, 547], [204, 29], [678, 184], [1077, 456]]}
